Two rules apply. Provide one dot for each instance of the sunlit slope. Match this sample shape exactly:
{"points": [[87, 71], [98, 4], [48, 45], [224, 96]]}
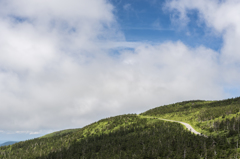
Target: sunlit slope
{"points": [[125, 136], [60, 133], [209, 117], [63, 139], [137, 136]]}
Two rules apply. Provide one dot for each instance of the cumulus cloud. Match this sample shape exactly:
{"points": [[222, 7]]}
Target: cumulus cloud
{"points": [[44, 44], [222, 17], [65, 64]]}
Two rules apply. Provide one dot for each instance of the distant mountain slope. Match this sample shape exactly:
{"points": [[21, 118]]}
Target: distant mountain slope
{"points": [[8, 143]]}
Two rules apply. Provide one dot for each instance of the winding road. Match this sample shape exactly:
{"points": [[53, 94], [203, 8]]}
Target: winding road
{"points": [[188, 126]]}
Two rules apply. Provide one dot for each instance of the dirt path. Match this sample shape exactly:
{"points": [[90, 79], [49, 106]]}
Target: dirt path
{"points": [[188, 126]]}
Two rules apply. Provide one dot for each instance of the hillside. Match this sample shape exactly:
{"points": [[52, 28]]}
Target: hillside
{"points": [[141, 137], [60, 133], [208, 117]]}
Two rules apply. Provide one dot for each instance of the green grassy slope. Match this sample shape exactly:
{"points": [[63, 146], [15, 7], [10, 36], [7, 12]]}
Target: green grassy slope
{"points": [[125, 136], [208, 117], [136, 136]]}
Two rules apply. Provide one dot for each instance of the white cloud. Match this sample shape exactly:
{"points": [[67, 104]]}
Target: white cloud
{"points": [[222, 17], [127, 7], [27, 132], [72, 9], [57, 69], [46, 45]]}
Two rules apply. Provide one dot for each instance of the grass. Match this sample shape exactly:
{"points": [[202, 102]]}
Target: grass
{"points": [[199, 114], [156, 118], [203, 126], [104, 126]]}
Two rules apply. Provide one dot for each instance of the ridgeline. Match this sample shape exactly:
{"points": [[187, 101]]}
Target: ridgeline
{"points": [[145, 136]]}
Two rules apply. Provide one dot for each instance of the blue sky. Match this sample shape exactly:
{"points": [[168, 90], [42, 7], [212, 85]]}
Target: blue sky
{"points": [[67, 65], [151, 21]]}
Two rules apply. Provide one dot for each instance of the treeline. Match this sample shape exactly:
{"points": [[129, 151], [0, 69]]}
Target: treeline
{"points": [[232, 126], [208, 110], [174, 108], [156, 140], [127, 136], [215, 112], [45, 145], [130, 136]]}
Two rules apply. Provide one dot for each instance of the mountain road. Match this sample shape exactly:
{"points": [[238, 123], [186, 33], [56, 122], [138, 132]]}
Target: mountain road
{"points": [[188, 126]]}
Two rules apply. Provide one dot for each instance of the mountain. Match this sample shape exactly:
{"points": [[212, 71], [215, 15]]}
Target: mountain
{"points": [[212, 118], [8, 143], [145, 135], [60, 133]]}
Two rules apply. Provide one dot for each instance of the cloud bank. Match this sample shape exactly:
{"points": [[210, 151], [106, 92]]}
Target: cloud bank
{"points": [[65, 64], [222, 17]]}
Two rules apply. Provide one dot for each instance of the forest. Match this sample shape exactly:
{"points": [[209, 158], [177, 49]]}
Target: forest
{"points": [[136, 136], [208, 117]]}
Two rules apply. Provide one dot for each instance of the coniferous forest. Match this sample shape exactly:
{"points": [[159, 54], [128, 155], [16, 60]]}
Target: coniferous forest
{"points": [[137, 136]]}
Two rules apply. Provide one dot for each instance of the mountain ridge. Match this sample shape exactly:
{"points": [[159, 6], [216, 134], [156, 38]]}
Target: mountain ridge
{"points": [[8, 143], [136, 136]]}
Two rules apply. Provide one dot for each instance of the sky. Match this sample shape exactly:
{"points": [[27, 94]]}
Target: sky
{"points": [[65, 64]]}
